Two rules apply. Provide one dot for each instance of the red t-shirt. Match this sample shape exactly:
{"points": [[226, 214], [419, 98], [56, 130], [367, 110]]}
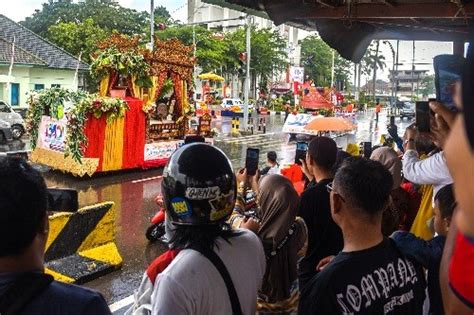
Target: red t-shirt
{"points": [[378, 108], [461, 270]]}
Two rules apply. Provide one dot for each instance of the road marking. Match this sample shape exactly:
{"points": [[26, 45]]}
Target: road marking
{"points": [[146, 179], [121, 304]]}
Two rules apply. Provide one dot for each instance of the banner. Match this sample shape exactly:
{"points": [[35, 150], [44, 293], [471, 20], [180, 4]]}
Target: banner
{"points": [[52, 134], [297, 74], [161, 150], [296, 123]]}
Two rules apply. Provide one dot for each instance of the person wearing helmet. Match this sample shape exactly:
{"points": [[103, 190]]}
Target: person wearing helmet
{"points": [[212, 269]]}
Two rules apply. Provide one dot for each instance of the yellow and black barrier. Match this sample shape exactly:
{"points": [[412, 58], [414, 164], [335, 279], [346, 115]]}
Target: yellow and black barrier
{"points": [[81, 245], [235, 124]]}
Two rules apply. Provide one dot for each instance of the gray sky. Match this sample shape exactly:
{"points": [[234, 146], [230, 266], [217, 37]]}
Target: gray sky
{"points": [[424, 51]]}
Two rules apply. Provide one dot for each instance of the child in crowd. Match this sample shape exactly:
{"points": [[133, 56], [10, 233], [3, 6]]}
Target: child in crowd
{"points": [[428, 253]]}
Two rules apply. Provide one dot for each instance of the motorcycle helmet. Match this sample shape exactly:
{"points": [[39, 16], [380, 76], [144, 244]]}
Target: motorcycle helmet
{"points": [[199, 186]]}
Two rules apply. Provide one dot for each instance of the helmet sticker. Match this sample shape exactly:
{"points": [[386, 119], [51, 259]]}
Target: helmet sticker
{"points": [[181, 207], [197, 193], [222, 205]]}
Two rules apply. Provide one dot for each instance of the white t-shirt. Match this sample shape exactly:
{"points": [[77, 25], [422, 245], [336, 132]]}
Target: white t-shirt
{"points": [[192, 285], [274, 170]]}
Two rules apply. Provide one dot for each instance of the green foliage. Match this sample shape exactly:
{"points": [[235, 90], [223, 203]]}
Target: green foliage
{"points": [[427, 86], [372, 57], [106, 14], [126, 63], [316, 58], [210, 49], [267, 54], [77, 37], [51, 102]]}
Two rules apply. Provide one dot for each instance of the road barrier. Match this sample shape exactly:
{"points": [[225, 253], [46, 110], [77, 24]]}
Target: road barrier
{"points": [[235, 124], [81, 245]]}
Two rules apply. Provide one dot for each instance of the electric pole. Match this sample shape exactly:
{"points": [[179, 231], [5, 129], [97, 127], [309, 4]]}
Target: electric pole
{"points": [[247, 75], [152, 22]]}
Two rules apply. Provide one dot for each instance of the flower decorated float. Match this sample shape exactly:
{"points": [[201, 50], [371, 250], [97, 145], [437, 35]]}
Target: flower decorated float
{"points": [[127, 124]]}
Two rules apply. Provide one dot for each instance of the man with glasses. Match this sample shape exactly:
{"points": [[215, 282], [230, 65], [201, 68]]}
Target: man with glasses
{"points": [[370, 275]]}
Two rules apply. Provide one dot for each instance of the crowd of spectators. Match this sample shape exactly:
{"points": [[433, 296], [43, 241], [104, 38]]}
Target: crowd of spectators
{"points": [[392, 233]]}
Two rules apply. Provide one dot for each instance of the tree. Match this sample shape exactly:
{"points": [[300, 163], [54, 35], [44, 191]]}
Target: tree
{"points": [[427, 86], [267, 56], [77, 37], [316, 58], [106, 14], [373, 61], [210, 49]]}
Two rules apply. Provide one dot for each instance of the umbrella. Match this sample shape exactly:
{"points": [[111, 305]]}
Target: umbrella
{"points": [[211, 77], [329, 124]]}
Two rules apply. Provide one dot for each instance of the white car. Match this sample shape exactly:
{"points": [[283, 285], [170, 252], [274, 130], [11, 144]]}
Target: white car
{"points": [[8, 115], [228, 103]]}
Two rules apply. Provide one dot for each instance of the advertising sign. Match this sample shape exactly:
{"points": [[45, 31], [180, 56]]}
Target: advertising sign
{"points": [[296, 123], [297, 74], [52, 134]]}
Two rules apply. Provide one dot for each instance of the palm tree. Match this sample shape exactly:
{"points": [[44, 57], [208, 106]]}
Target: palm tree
{"points": [[373, 61]]}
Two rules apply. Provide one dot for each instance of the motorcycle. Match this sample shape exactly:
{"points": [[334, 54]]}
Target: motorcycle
{"points": [[156, 230]]}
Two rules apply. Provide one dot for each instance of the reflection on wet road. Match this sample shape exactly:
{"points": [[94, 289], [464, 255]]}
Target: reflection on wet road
{"points": [[134, 192]]}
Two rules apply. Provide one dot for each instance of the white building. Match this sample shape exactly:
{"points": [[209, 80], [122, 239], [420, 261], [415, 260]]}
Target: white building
{"points": [[201, 11], [37, 64]]}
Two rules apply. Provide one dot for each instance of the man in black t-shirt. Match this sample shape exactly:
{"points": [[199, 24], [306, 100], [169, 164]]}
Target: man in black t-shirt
{"points": [[370, 275], [324, 236]]}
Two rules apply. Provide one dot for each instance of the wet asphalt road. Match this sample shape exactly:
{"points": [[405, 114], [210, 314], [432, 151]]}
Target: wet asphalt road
{"points": [[134, 191]]}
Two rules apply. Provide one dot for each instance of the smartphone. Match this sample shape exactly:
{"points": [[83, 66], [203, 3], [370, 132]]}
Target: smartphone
{"points": [[367, 149], [301, 149], [61, 199], [422, 116], [251, 161], [448, 70]]}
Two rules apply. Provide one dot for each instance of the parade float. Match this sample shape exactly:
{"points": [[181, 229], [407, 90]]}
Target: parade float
{"points": [[125, 125]]}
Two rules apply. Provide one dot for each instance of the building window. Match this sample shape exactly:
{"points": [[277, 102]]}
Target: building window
{"points": [[39, 87], [55, 85]]}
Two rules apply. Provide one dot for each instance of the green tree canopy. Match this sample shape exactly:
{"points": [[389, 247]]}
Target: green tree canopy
{"points": [[210, 49], [78, 37], [267, 55], [427, 86], [316, 58], [107, 14]]}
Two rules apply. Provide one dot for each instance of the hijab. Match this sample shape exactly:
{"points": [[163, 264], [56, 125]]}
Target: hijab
{"points": [[389, 158], [278, 202]]}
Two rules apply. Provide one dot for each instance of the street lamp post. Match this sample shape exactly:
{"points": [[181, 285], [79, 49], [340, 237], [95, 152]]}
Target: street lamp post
{"points": [[247, 75], [152, 22]]}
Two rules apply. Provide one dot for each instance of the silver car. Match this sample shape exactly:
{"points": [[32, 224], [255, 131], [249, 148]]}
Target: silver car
{"points": [[15, 120]]}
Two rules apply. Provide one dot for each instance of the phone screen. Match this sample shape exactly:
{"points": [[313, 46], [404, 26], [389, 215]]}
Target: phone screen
{"points": [[448, 70], [62, 200], [251, 161], [422, 116], [301, 149], [367, 149]]}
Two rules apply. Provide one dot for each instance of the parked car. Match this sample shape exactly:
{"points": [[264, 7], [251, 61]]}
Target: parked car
{"points": [[228, 103], [5, 132], [15, 120], [407, 110]]}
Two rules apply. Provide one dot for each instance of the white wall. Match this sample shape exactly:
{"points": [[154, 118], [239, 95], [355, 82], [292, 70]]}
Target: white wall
{"points": [[28, 76]]}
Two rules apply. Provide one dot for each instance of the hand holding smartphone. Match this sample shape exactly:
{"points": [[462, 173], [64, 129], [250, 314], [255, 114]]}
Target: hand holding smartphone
{"points": [[251, 161], [422, 116], [301, 150]]}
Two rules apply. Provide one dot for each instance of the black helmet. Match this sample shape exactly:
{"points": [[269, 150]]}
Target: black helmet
{"points": [[199, 186]]}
